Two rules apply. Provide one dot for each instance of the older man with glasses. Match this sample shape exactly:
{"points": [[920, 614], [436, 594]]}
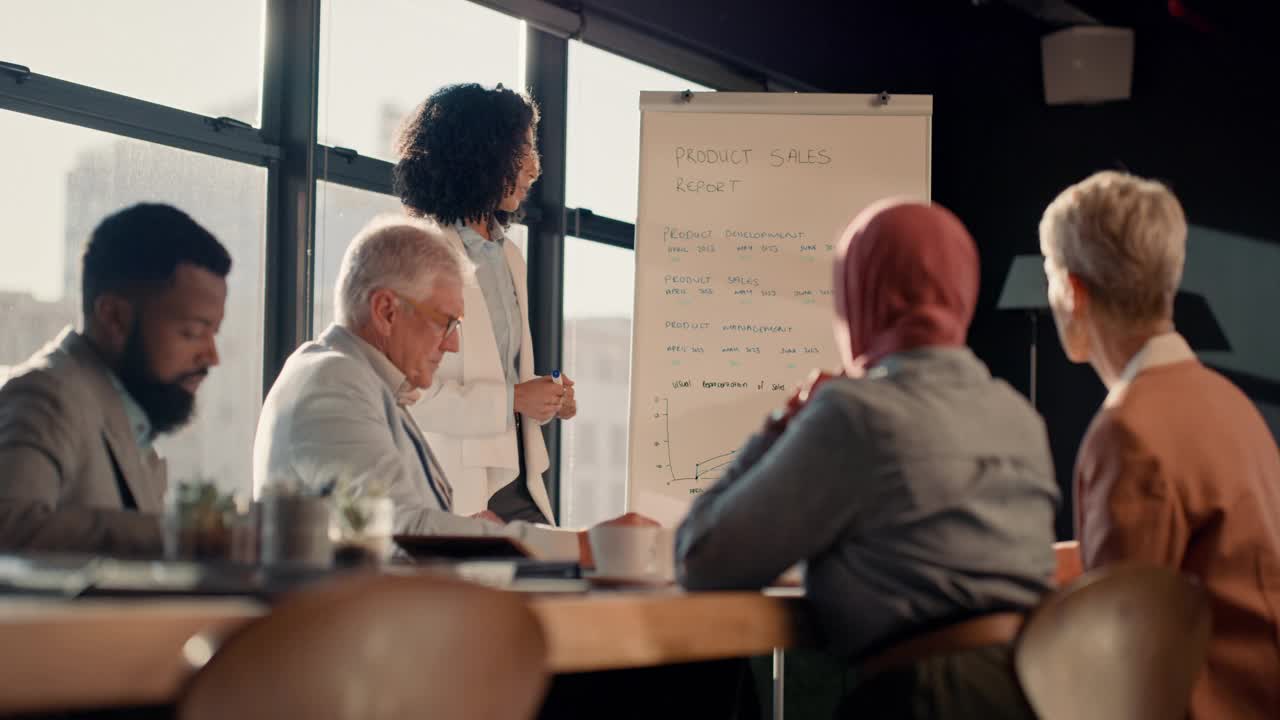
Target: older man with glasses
{"points": [[339, 409]]}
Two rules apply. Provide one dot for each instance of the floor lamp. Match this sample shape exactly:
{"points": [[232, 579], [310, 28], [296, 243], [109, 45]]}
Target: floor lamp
{"points": [[1027, 289]]}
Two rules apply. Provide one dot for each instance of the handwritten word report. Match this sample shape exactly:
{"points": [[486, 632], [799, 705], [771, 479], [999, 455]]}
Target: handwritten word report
{"points": [[739, 218]]}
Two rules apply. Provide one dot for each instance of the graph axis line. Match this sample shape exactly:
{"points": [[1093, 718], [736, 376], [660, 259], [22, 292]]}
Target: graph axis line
{"points": [[698, 471]]}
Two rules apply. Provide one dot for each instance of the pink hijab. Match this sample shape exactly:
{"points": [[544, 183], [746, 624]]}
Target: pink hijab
{"points": [[906, 276]]}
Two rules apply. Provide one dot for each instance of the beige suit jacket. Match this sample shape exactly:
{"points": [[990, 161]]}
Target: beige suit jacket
{"points": [[68, 456]]}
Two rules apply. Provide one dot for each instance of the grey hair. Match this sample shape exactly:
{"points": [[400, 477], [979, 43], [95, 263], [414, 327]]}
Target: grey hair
{"points": [[403, 254], [1125, 237]]}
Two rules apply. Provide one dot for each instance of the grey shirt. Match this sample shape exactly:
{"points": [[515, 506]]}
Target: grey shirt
{"points": [[493, 274], [921, 494]]}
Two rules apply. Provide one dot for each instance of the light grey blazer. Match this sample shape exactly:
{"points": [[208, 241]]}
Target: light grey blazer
{"points": [[68, 455], [333, 414]]}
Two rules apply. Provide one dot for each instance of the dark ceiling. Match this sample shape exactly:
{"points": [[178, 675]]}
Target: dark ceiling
{"points": [[1231, 20], [857, 45]]}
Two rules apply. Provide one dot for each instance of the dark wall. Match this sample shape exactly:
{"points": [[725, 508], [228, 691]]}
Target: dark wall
{"points": [[1195, 121], [1198, 120]]}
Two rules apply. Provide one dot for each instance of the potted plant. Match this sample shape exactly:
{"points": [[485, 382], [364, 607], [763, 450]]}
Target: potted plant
{"points": [[294, 519], [362, 520], [198, 518]]}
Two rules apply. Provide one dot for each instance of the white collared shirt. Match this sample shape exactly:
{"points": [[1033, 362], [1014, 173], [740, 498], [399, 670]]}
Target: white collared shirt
{"points": [[1164, 349], [139, 421]]}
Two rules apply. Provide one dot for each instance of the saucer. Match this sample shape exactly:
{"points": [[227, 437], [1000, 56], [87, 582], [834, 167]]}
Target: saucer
{"points": [[606, 580]]}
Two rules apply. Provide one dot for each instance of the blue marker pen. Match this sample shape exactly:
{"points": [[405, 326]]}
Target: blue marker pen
{"points": [[555, 377]]}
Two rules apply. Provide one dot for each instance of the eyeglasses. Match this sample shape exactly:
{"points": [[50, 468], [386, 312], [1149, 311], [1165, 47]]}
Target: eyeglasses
{"points": [[449, 323]]}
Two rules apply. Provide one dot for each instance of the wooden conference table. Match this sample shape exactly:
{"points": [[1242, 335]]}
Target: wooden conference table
{"points": [[94, 653]]}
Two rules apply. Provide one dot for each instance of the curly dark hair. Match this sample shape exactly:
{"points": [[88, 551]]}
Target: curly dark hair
{"points": [[460, 152]]}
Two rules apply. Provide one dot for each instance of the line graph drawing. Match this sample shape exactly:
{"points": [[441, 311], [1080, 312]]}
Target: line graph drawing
{"points": [[706, 469]]}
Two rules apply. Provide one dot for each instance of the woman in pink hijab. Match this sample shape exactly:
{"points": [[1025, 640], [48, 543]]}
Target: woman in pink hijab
{"points": [[918, 490]]}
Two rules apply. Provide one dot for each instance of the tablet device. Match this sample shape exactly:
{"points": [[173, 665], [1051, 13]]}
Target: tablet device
{"points": [[460, 547]]}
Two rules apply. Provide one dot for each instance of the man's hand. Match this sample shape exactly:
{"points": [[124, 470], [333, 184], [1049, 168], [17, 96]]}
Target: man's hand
{"points": [[489, 516], [569, 404], [633, 519], [539, 398]]}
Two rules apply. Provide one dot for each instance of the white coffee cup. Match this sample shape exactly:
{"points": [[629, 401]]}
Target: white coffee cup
{"points": [[630, 551]]}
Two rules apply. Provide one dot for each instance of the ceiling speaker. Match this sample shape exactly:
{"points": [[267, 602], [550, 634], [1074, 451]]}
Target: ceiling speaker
{"points": [[1087, 64]]}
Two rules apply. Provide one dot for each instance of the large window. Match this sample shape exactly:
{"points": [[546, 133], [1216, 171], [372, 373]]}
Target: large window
{"points": [[603, 163], [201, 57], [597, 356], [340, 213], [58, 183], [378, 60], [602, 175], [103, 120]]}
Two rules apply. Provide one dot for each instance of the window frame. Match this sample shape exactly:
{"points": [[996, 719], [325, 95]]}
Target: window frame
{"points": [[287, 145]]}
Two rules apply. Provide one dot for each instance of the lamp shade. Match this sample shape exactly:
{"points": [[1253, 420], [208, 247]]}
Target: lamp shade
{"points": [[1026, 288]]}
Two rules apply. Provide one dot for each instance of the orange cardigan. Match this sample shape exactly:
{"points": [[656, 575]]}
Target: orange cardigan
{"points": [[1179, 469]]}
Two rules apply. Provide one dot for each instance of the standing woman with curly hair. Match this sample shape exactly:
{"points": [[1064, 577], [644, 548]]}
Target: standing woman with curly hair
{"points": [[467, 157]]}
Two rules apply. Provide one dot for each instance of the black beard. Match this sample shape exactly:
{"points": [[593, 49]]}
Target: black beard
{"points": [[167, 404]]}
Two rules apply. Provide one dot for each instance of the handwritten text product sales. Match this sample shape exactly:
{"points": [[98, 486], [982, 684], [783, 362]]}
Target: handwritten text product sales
{"points": [[692, 157]]}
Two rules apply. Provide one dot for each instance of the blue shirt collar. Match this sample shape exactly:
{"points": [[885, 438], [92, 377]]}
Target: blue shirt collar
{"points": [[473, 240], [138, 420]]}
